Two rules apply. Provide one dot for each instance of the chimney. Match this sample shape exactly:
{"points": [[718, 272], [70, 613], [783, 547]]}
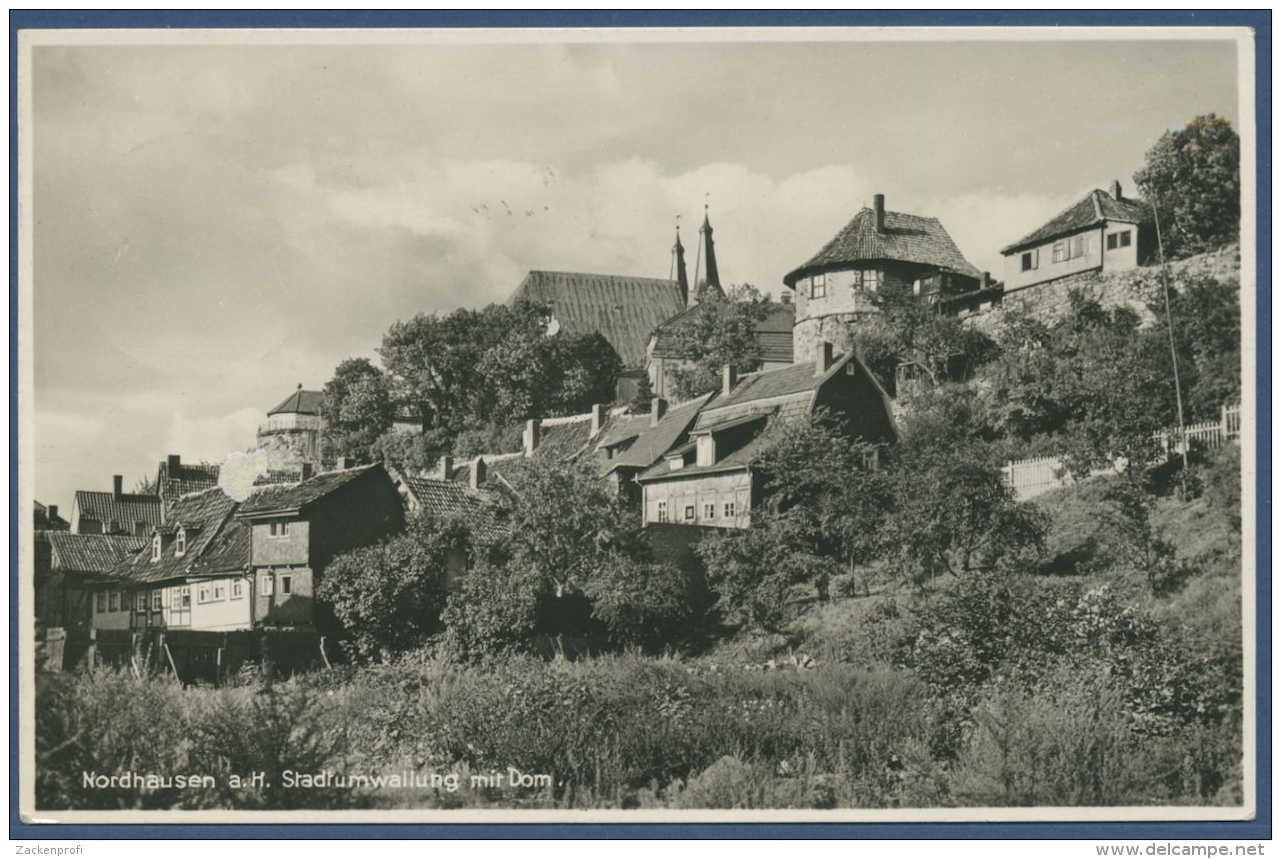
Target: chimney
{"points": [[785, 297], [598, 418], [477, 478], [826, 355], [117, 486], [728, 377], [175, 463], [986, 280], [1116, 189], [446, 467], [306, 471], [533, 430], [878, 206], [657, 408], [52, 513]]}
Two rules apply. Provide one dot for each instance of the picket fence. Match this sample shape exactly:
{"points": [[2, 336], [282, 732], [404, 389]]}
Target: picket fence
{"points": [[1032, 477]]}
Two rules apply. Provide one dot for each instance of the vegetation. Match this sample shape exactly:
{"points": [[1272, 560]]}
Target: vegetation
{"points": [[1193, 175], [722, 333]]}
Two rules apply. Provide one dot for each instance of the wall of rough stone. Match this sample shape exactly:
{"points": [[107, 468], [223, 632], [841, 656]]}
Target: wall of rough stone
{"points": [[1135, 288], [287, 450]]}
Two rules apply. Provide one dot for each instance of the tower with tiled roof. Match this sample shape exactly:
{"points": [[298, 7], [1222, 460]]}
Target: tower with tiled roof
{"points": [[291, 435], [877, 249], [706, 274]]}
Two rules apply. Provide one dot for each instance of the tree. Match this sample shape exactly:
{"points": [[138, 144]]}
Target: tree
{"points": [[643, 400], [952, 512], [1194, 178], [721, 332], [918, 333], [357, 408], [389, 596]]}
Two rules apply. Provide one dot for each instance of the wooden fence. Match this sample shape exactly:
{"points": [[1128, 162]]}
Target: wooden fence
{"points": [[1032, 477], [200, 657]]}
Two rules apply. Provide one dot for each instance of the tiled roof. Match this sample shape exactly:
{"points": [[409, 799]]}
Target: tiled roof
{"points": [[299, 402], [1095, 208], [740, 457], [620, 428], [654, 441], [295, 496], [448, 499], [216, 542], [907, 238], [189, 478], [773, 333], [129, 508], [623, 309], [785, 381], [90, 553]]}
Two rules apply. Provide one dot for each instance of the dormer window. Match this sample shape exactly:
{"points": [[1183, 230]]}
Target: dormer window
{"points": [[155, 547], [180, 543]]}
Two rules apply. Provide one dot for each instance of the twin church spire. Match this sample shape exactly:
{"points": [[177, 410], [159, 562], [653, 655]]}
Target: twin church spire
{"points": [[706, 274]]}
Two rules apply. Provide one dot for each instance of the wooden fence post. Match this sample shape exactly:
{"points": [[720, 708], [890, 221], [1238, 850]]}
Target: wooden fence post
{"points": [[324, 655], [172, 664], [91, 655]]}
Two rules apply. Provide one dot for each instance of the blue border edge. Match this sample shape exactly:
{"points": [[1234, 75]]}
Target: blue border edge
{"points": [[1260, 21]]}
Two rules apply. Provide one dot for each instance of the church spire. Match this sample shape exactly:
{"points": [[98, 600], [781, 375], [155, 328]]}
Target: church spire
{"points": [[706, 260], [678, 266]]}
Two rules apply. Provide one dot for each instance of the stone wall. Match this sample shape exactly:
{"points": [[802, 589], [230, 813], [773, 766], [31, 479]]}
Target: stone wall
{"points": [[287, 450], [1135, 288]]}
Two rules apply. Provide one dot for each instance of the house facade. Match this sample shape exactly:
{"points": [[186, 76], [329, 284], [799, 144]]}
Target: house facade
{"points": [[1104, 231], [191, 573], [709, 480], [877, 249], [295, 530], [67, 567]]}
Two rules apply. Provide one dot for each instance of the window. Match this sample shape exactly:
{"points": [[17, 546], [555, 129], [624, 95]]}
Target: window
{"points": [[1077, 246], [689, 513], [185, 596], [818, 286], [662, 511], [180, 544], [157, 600], [279, 529], [219, 592], [1030, 260], [729, 509], [202, 593], [140, 601], [916, 286], [265, 583], [1118, 240], [115, 601], [869, 279], [237, 590], [286, 585], [101, 601], [1059, 252], [709, 511], [155, 547]]}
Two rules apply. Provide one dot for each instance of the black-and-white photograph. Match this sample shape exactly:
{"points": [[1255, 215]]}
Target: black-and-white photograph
{"points": [[672, 424]]}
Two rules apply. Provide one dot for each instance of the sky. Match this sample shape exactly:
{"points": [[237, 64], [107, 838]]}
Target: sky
{"points": [[214, 225]]}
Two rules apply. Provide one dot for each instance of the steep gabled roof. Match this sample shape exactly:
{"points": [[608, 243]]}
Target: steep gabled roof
{"points": [[907, 238], [1093, 209], [293, 497], [216, 542], [654, 441], [90, 553], [299, 402], [773, 333], [125, 511], [445, 498], [740, 457], [624, 310], [172, 483], [44, 523]]}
